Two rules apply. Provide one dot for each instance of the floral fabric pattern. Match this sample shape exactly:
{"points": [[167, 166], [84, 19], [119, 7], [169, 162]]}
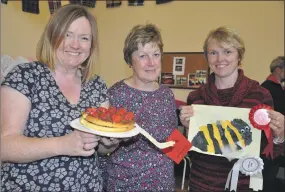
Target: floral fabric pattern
{"points": [[50, 116], [138, 165]]}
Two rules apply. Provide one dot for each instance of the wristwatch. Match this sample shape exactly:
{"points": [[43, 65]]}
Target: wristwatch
{"points": [[278, 140]]}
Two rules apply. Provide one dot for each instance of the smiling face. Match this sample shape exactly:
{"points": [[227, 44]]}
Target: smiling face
{"points": [[223, 59], [75, 47], [146, 63]]}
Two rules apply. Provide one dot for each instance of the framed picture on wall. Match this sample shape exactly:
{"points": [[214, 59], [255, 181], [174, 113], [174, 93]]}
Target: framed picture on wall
{"points": [[192, 80], [180, 80], [167, 79], [178, 65], [184, 70]]}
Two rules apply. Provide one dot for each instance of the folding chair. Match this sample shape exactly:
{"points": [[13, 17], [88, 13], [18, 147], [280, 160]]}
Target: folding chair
{"points": [[185, 160]]}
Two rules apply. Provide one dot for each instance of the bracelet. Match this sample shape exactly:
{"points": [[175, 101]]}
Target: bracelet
{"points": [[278, 140]]}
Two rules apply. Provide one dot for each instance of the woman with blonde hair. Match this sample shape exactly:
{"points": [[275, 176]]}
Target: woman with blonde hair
{"points": [[39, 149], [227, 86]]}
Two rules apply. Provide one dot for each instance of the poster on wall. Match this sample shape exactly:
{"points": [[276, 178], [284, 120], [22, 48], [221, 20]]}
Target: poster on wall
{"points": [[184, 70], [192, 82], [201, 77], [217, 131], [179, 65], [180, 80], [167, 79]]}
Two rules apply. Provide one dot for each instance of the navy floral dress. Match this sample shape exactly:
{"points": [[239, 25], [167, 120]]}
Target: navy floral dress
{"points": [[138, 165], [50, 116]]}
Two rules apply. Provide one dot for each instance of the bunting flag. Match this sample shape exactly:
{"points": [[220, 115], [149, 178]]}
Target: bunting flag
{"points": [[31, 6], [53, 5], [113, 3], [88, 3], [136, 2], [163, 1], [4, 1]]}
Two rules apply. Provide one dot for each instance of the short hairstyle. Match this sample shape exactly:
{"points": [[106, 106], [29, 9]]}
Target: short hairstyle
{"points": [[277, 62], [141, 34], [227, 36], [54, 34]]}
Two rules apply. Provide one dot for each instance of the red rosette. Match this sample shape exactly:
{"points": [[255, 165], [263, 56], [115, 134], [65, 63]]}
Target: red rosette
{"points": [[258, 116], [259, 119]]}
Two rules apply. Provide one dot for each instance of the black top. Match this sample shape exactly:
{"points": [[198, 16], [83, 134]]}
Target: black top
{"points": [[277, 93]]}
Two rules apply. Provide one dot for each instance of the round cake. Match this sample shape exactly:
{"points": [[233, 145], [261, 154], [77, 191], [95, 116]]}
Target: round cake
{"points": [[108, 120]]}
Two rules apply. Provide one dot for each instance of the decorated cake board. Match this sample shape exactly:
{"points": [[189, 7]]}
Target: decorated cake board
{"points": [[220, 131]]}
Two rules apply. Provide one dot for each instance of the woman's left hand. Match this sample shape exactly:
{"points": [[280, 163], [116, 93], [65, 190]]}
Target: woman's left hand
{"points": [[277, 123], [108, 145]]}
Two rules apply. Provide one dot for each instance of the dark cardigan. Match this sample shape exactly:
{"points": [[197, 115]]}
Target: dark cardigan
{"points": [[277, 92]]}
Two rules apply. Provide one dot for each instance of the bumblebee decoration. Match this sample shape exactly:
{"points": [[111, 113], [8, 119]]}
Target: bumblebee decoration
{"points": [[233, 135]]}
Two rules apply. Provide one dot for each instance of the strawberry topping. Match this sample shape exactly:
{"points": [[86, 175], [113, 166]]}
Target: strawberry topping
{"points": [[112, 114]]}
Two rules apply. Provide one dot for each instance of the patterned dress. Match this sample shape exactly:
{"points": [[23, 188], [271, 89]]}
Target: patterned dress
{"points": [[138, 165], [50, 116]]}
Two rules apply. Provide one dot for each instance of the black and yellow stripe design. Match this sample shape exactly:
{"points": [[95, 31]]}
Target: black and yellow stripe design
{"points": [[213, 137]]}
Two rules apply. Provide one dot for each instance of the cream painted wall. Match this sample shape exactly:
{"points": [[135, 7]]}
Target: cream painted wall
{"points": [[184, 26]]}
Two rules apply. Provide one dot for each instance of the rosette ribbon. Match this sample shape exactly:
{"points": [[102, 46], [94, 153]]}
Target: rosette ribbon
{"points": [[259, 119], [250, 166]]}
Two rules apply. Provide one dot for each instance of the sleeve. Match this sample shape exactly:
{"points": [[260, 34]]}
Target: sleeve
{"points": [[194, 97], [267, 98], [278, 149], [21, 78], [265, 85]]}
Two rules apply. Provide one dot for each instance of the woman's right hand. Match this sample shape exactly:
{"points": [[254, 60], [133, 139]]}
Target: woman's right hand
{"points": [[78, 143], [277, 123], [185, 113]]}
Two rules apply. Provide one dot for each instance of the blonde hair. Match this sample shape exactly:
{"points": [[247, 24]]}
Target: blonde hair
{"points": [[141, 34], [55, 31], [227, 36]]}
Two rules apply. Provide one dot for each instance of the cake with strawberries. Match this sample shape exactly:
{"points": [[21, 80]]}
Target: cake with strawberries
{"points": [[108, 120]]}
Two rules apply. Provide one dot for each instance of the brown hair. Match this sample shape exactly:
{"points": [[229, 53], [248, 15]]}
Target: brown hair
{"points": [[54, 34], [141, 34], [227, 36]]}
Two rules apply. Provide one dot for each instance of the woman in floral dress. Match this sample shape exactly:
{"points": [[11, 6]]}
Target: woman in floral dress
{"points": [[137, 165], [39, 149]]}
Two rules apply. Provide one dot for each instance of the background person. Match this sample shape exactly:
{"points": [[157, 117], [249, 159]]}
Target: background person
{"points": [[273, 84]]}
